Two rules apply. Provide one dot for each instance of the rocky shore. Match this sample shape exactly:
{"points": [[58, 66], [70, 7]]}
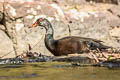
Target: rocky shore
{"points": [[98, 19]]}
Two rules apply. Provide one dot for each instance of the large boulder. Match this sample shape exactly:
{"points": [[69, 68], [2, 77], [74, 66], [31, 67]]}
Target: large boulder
{"points": [[82, 20], [6, 46]]}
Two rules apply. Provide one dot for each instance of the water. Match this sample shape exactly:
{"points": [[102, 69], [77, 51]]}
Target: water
{"points": [[56, 71]]}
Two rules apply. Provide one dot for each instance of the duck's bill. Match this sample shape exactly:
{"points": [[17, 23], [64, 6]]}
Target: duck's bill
{"points": [[33, 25]]}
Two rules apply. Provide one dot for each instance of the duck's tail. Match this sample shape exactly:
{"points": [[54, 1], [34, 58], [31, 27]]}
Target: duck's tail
{"points": [[105, 47]]}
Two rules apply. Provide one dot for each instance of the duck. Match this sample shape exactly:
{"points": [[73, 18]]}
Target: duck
{"points": [[67, 45]]}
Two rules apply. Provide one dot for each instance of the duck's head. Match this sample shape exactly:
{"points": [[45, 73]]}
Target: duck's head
{"points": [[40, 22]]}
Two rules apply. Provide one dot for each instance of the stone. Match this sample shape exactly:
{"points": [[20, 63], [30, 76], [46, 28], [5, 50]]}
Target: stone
{"points": [[1, 17], [6, 46], [105, 1], [1, 12], [115, 10], [94, 23]]}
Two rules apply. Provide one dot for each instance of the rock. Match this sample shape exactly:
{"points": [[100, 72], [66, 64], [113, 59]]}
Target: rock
{"points": [[6, 46], [115, 10], [1, 12], [106, 1], [89, 22], [60, 28], [1, 7], [1, 17], [76, 2], [114, 32], [114, 21], [110, 64]]}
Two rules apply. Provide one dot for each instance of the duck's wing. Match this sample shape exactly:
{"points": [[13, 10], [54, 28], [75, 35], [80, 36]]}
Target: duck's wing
{"points": [[90, 39], [88, 42], [92, 44], [82, 38]]}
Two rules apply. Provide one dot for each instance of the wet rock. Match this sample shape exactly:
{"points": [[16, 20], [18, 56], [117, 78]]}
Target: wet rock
{"points": [[76, 59], [28, 58], [110, 64], [11, 61]]}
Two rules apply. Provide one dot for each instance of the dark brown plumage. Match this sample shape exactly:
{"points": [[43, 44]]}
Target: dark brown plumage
{"points": [[67, 45]]}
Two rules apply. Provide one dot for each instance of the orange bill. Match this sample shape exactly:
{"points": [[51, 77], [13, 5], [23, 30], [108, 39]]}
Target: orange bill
{"points": [[33, 25]]}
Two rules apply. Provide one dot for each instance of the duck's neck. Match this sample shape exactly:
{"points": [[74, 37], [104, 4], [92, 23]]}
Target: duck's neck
{"points": [[49, 40]]}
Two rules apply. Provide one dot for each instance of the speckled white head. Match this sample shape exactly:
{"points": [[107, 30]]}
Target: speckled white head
{"points": [[42, 22]]}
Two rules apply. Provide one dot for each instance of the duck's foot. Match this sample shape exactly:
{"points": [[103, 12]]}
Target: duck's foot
{"points": [[93, 56]]}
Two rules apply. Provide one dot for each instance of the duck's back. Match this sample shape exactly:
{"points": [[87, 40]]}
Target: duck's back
{"points": [[72, 44]]}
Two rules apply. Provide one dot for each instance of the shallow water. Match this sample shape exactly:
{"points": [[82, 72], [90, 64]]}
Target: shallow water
{"points": [[56, 71]]}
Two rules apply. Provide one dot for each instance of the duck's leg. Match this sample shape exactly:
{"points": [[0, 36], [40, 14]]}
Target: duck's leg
{"points": [[93, 56], [102, 54]]}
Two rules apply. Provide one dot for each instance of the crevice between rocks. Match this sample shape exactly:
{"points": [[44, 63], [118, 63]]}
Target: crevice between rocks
{"points": [[10, 31]]}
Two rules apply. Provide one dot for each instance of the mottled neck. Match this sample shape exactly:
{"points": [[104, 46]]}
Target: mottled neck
{"points": [[49, 29], [49, 40]]}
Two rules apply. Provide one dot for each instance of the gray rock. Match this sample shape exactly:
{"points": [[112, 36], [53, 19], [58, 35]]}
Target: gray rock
{"points": [[24, 15], [6, 46], [1, 17]]}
